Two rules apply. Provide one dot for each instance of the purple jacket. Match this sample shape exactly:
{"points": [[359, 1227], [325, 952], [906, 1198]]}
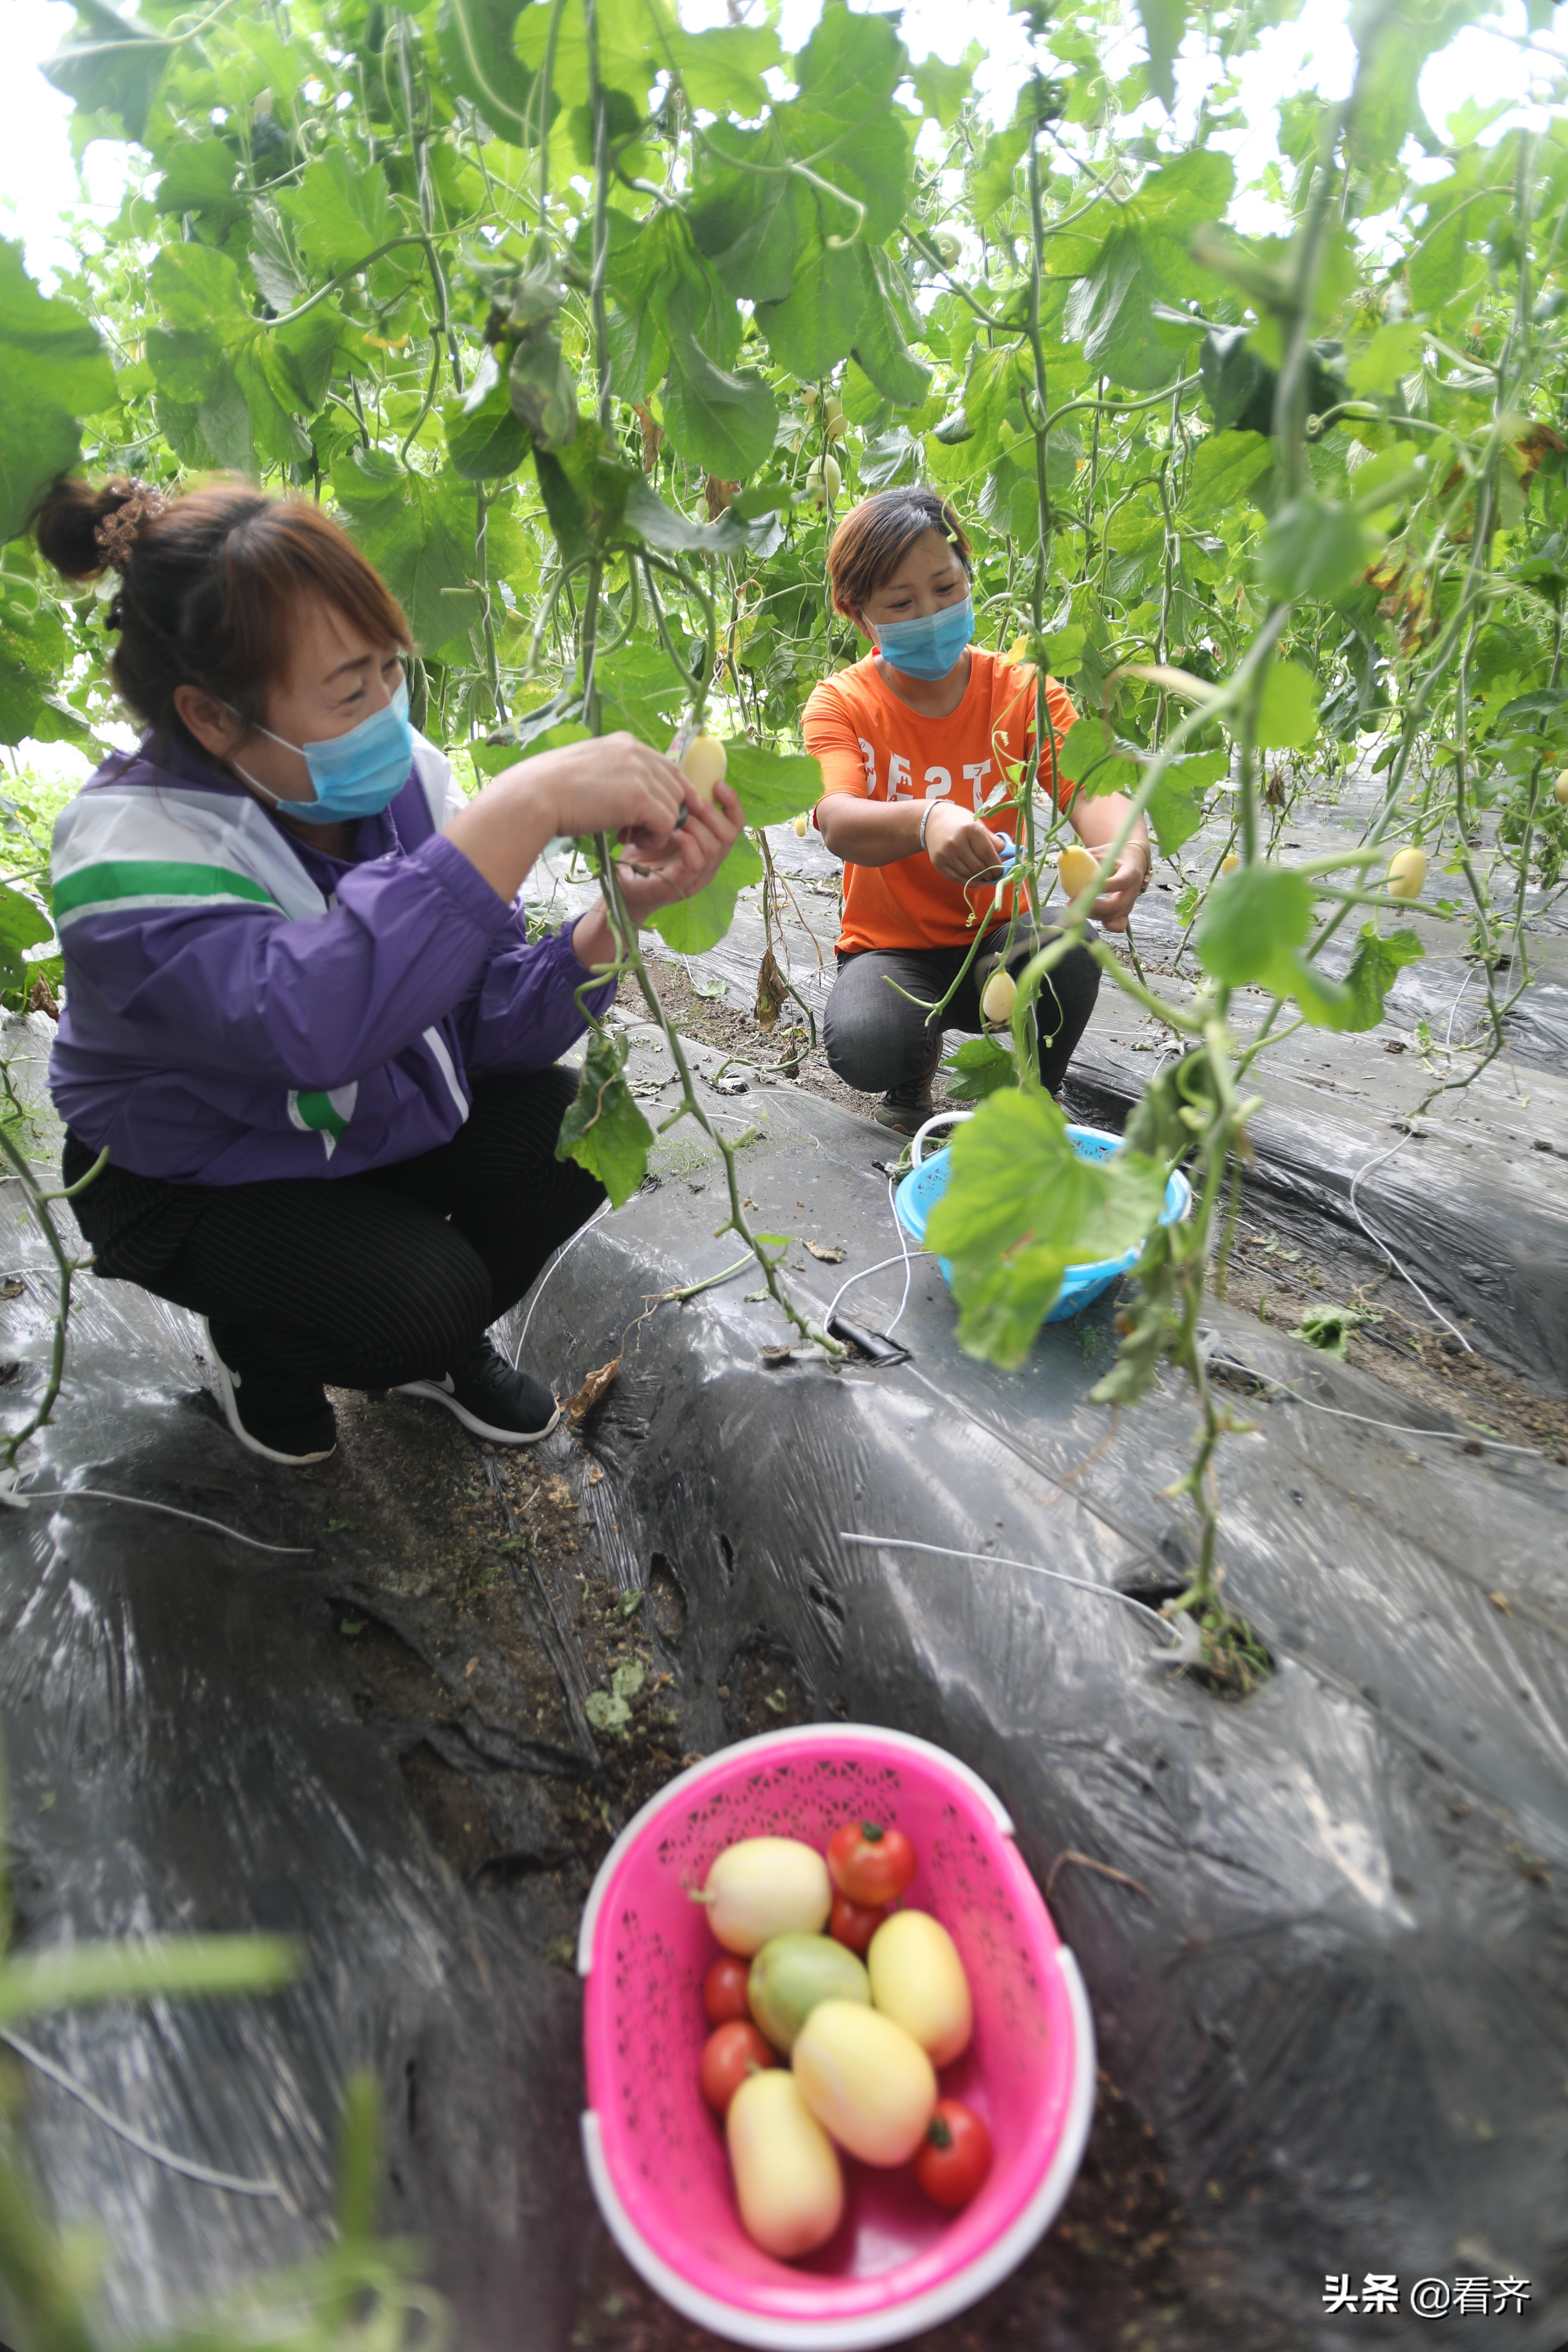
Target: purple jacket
{"points": [[240, 1006]]}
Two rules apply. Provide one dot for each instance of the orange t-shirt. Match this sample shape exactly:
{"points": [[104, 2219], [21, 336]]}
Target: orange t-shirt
{"points": [[871, 743]]}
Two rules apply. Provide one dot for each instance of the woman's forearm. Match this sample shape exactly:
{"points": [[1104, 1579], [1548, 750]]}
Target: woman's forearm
{"points": [[504, 830], [1096, 822], [870, 832], [592, 941]]}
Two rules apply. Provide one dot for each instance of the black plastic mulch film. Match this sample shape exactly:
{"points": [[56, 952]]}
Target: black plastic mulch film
{"points": [[1338, 1991]]}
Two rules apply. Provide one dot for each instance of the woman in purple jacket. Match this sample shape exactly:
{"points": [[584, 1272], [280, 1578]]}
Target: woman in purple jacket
{"points": [[302, 1014]]}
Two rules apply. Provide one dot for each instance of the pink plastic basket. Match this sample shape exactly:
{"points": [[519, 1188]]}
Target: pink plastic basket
{"points": [[654, 2153]]}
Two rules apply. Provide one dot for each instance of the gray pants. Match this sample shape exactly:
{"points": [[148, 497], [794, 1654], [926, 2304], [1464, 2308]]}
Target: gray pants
{"points": [[881, 1043]]}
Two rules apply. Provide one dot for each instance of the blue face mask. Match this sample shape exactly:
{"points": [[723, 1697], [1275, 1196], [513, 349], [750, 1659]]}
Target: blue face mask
{"points": [[357, 774], [930, 647]]}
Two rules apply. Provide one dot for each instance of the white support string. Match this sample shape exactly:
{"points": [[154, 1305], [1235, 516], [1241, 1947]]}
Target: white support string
{"points": [[1378, 1243], [570, 1243], [1186, 1642], [1398, 1428], [232, 2183], [20, 1497]]}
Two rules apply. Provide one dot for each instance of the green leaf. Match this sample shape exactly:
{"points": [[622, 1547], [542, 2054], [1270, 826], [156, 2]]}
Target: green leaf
{"points": [[1163, 22], [633, 37], [485, 439], [1287, 708], [418, 531], [642, 689], [1382, 365], [606, 1712], [844, 123], [177, 1968], [661, 526], [33, 651], [213, 351], [1176, 809], [22, 925], [1190, 189], [1020, 1208], [341, 210], [813, 330], [992, 187], [604, 1131], [54, 370], [770, 786], [723, 423], [1316, 547], [310, 348], [543, 390], [1089, 756], [693, 925], [1251, 934], [880, 346], [980, 1065], [1254, 916], [744, 219], [1328, 1328], [1376, 965], [944, 90], [474, 43], [200, 179], [1111, 310], [722, 69], [1224, 468], [110, 64]]}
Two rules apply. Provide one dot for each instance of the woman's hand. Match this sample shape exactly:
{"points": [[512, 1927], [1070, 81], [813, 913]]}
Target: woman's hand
{"points": [[608, 783], [613, 783], [691, 860], [1123, 888], [960, 846], [686, 863]]}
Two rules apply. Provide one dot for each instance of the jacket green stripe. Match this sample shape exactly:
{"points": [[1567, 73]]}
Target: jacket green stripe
{"points": [[152, 880]]}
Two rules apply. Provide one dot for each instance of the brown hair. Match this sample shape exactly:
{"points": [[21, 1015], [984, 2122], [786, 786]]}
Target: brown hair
{"points": [[210, 582], [872, 536]]}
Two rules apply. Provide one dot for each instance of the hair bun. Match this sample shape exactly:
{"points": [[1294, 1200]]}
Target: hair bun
{"points": [[83, 531]]}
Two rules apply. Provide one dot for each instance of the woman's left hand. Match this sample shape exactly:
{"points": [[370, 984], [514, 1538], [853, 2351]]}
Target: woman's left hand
{"points": [[694, 856], [1123, 888]]}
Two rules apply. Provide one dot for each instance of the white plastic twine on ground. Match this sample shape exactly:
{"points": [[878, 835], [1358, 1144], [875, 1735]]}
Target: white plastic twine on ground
{"points": [[1396, 1428], [18, 1497], [1378, 1243], [233, 2184], [568, 1245], [1185, 1639]]}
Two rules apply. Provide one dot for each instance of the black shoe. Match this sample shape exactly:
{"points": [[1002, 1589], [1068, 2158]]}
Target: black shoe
{"points": [[491, 1398], [275, 1414], [903, 1110], [907, 1108]]}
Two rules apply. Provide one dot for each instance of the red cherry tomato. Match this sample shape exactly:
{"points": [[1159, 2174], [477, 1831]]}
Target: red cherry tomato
{"points": [[871, 1864], [855, 1923], [724, 1990], [730, 2054], [955, 2157]]}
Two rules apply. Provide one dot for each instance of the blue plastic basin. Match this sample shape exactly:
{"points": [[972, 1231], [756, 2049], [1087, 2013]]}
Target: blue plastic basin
{"points": [[923, 1187]]}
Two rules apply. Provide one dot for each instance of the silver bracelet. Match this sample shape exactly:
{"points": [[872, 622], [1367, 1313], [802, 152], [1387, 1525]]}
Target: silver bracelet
{"points": [[926, 815]]}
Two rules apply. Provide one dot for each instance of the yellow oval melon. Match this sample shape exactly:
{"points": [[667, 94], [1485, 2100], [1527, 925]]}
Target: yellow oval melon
{"points": [[702, 765], [823, 480], [1407, 873], [1077, 868], [997, 999]]}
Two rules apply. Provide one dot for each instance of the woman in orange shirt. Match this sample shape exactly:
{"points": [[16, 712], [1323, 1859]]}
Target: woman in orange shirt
{"points": [[913, 740]]}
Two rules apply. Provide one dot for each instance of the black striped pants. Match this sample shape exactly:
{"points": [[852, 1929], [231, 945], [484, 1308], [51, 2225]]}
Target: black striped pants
{"points": [[358, 1281]]}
